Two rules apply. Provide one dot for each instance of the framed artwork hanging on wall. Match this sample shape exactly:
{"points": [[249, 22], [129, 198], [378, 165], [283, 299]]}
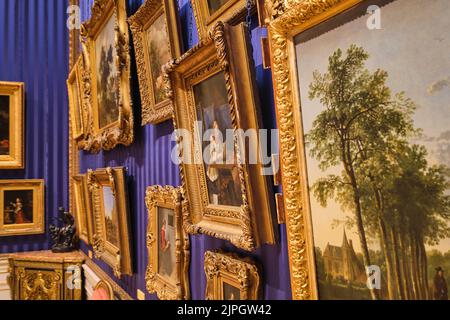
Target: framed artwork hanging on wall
{"points": [[157, 40], [214, 92], [83, 208], [167, 244], [78, 116], [106, 80], [365, 170], [209, 12], [11, 125], [228, 277], [22, 210], [111, 239]]}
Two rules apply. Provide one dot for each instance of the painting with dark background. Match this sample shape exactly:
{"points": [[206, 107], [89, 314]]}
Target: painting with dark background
{"points": [[26, 26], [18, 207], [4, 125]]}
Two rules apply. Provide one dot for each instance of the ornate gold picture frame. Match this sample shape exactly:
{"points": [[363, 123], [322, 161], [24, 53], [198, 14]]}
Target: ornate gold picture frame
{"points": [[12, 97], [209, 12], [228, 277], [111, 239], [83, 208], [232, 200], [106, 77], [168, 245], [156, 36], [22, 209], [78, 116]]}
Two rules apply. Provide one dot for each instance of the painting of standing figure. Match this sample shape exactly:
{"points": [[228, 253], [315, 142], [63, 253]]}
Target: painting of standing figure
{"points": [[4, 125], [167, 246], [18, 207], [377, 149]]}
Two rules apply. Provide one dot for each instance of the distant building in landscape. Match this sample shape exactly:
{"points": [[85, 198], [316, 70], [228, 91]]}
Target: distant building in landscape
{"points": [[343, 262]]}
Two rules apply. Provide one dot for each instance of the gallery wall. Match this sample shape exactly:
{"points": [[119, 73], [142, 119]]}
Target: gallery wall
{"points": [[34, 50]]}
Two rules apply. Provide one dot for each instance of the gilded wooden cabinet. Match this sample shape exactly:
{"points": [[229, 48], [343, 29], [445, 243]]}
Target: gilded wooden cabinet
{"points": [[46, 276]]}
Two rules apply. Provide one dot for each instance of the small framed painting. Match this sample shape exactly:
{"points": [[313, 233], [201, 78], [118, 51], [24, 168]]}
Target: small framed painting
{"points": [[209, 12], [168, 245], [111, 239], [231, 278], [103, 291], [21, 207], [11, 125], [74, 89], [83, 209], [157, 40], [106, 80]]}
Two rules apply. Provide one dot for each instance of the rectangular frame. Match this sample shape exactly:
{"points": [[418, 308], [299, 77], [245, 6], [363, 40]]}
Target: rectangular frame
{"points": [[16, 93], [83, 208], [38, 226], [78, 116], [118, 258], [170, 198], [242, 274], [232, 12], [251, 224], [120, 131], [154, 112]]}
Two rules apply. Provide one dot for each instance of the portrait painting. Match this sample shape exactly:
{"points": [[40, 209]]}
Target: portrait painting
{"points": [[4, 125], [166, 240], [11, 125], [21, 207], [157, 40], [373, 108], [230, 292], [222, 172], [167, 243], [111, 218], [111, 235], [107, 76]]}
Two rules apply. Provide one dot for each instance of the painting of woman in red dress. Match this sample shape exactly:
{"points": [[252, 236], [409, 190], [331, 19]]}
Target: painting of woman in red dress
{"points": [[18, 207]]}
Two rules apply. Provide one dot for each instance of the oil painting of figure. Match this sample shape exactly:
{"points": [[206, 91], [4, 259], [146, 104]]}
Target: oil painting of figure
{"points": [[4, 125], [222, 172], [167, 245], [375, 108], [18, 207], [159, 52], [107, 78], [230, 292], [111, 217]]}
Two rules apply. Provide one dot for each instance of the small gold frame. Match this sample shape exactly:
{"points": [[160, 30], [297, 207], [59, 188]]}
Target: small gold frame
{"points": [[118, 257], [37, 226], [251, 224], [82, 209], [78, 116], [170, 198], [105, 285], [121, 130], [15, 91], [154, 112], [232, 12], [242, 274]]}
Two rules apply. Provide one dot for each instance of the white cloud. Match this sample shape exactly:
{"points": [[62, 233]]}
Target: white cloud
{"points": [[438, 85]]}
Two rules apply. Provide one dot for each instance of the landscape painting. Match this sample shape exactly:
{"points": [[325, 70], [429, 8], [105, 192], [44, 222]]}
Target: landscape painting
{"points": [[111, 217], [215, 5], [107, 75], [167, 245], [159, 55], [18, 207], [222, 172], [375, 112], [4, 125]]}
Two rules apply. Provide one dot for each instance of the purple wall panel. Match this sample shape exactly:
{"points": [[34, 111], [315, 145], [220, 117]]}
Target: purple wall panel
{"points": [[33, 38]]}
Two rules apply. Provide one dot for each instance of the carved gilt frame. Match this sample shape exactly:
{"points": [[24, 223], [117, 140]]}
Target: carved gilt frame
{"points": [[242, 274], [16, 93], [287, 20], [118, 258], [251, 224], [38, 224], [83, 208], [140, 23], [170, 198], [78, 114], [232, 12], [120, 131]]}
